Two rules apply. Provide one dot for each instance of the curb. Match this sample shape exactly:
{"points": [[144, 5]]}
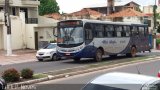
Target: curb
{"points": [[50, 77]]}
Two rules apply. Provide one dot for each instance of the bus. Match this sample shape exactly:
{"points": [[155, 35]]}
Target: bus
{"points": [[78, 39]]}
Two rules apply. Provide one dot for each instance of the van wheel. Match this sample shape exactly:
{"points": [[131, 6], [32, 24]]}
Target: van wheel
{"points": [[54, 57], [98, 56], [76, 59]]}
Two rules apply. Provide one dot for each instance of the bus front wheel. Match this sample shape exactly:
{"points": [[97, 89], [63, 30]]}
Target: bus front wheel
{"points": [[98, 56]]}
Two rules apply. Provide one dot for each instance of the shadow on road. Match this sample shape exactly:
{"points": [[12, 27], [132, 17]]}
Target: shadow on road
{"points": [[105, 59]]}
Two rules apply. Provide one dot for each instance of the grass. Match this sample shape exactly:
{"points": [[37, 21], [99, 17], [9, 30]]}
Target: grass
{"points": [[98, 64], [116, 62], [38, 76]]}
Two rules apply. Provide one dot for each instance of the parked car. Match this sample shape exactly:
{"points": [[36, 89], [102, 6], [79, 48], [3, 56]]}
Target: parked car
{"points": [[2, 84], [48, 52], [123, 81]]}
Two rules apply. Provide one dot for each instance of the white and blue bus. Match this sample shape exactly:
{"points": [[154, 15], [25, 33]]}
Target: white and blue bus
{"points": [[94, 38]]}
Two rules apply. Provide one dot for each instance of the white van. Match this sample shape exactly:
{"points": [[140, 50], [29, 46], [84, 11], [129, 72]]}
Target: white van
{"points": [[123, 81]]}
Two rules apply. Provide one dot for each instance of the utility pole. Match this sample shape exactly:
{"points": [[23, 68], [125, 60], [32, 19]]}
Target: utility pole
{"points": [[155, 22], [8, 25]]}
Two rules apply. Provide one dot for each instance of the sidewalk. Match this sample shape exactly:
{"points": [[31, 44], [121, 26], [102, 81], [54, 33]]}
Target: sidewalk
{"points": [[155, 50], [19, 56]]}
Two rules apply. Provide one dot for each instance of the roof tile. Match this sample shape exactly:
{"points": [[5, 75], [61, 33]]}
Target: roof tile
{"points": [[126, 13]]}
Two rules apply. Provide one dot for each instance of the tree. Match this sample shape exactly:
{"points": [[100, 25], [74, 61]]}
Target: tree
{"points": [[158, 29], [48, 6]]}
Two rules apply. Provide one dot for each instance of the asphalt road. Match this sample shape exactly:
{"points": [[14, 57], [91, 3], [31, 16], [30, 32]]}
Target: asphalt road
{"points": [[77, 82], [46, 66]]}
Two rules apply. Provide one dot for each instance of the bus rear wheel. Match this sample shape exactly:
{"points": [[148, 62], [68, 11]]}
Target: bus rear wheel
{"points": [[98, 56], [132, 53]]}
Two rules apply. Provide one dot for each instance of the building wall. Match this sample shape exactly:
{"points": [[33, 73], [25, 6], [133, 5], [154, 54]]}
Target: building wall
{"points": [[132, 19], [17, 37], [1, 37], [45, 36], [30, 35], [149, 9]]}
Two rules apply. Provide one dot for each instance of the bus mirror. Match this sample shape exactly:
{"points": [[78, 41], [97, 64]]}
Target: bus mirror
{"points": [[55, 31]]}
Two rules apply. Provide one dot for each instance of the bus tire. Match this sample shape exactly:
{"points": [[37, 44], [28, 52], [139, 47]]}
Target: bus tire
{"points": [[76, 59], [132, 53], [98, 56]]}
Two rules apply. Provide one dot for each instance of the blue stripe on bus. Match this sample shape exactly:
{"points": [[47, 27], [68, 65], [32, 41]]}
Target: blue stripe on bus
{"points": [[87, 52]]}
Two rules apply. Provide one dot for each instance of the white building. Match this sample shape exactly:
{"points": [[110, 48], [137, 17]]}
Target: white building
{"points": [[148, 10], [28, 29]]}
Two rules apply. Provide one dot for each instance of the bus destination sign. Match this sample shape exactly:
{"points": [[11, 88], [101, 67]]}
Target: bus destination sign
{"points": [[70, 23]]}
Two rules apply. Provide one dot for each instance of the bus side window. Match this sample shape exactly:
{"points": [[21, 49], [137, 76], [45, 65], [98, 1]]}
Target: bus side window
{"points": [[118, 30], [88, 32], [135, 31], [146, 31], [109, 31], [141, 31], [126, 30], [99, 31]]}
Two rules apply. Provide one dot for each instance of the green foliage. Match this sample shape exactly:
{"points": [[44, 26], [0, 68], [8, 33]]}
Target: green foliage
{"points": [[158, 29], [11, 75], [38, 76], [27, 73], [48, 6], [158, 41], [53, 41]]}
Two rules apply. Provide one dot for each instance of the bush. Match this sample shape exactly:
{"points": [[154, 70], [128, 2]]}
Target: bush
{"points": [[158, 41], [27, 73], [11, 75]]}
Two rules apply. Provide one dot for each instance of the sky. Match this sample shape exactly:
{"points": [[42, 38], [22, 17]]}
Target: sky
{"points": [[69, 6]]}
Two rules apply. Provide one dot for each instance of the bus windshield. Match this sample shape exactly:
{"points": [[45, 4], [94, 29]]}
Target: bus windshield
{"points": [[70, 35]]}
